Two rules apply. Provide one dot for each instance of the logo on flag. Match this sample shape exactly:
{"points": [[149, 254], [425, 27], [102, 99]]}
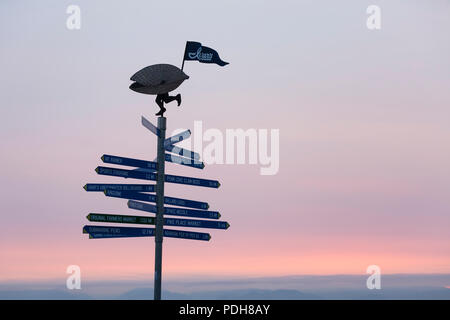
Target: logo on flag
{"points": [[195, 51]]}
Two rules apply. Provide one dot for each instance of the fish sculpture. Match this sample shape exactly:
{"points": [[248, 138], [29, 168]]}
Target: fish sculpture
{"points": [[159, 80]]}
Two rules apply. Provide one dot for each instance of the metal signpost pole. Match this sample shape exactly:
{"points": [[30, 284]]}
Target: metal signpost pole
{"points": [[160, 207]]}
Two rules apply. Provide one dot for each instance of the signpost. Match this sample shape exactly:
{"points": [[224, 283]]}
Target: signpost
{"points": [[157, 79], [155, 171]]}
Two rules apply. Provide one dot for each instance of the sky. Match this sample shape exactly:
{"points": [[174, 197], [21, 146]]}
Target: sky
{"points": [[363, 135]]}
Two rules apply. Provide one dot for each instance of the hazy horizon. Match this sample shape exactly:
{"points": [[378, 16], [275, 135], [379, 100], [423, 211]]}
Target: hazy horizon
{"points": [[393, 286], [363, 117]]}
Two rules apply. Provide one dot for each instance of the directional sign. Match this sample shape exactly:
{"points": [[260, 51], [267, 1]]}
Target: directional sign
{"points": [[187, 235], [182, 152], [151, 166], [174, 211], [152, 198], [150, 126], [167, 151], [177, 138], [117, 232], [144, 170], [120, 187], [192, 181], [184, 161], [98, 232], [152, 176], [117, 218], [196, 223], [106, 158]]}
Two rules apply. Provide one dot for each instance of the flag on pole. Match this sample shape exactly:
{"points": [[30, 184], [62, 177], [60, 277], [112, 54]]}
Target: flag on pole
{"points": [[195, 51]]}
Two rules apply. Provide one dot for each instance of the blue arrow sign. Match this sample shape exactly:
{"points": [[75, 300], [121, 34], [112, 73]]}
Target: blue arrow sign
{"points": [[98, 232], [152, 198], [187, 235], [178, 160], [177, 138], [144, 170], [196, 223], [136, 205], [190, 223], [150, 126], [120, 187], [182, 152], [119, 218], [192, 181], [152, 176], [106, 158], [117, 232], [184, 161]]}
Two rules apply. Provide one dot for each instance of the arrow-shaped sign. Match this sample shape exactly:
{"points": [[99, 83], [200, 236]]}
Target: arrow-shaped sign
{"points": [[152, 198], [117, 232], [98, 232], [150, 126], [144, 170], [106, 158], [151, 166], [177, 138], [152, 176], [174, 211], [184, 161], [192, 181], [117, 218], [182, 152], [120, 187], [196, 223]]}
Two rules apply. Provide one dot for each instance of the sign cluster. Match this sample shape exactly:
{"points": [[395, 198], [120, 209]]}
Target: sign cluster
{"points": [[141, 196]]}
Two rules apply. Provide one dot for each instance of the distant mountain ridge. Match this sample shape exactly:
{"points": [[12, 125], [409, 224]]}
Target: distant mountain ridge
{"points": [[300, 287], [242, 294]]}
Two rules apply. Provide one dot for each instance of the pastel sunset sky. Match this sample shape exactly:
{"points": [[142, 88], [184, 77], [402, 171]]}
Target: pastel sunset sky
{"points": [[363, 117]]}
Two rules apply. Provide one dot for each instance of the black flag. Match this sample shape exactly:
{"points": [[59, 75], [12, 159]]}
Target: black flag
{"points": [[195, 51]]}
